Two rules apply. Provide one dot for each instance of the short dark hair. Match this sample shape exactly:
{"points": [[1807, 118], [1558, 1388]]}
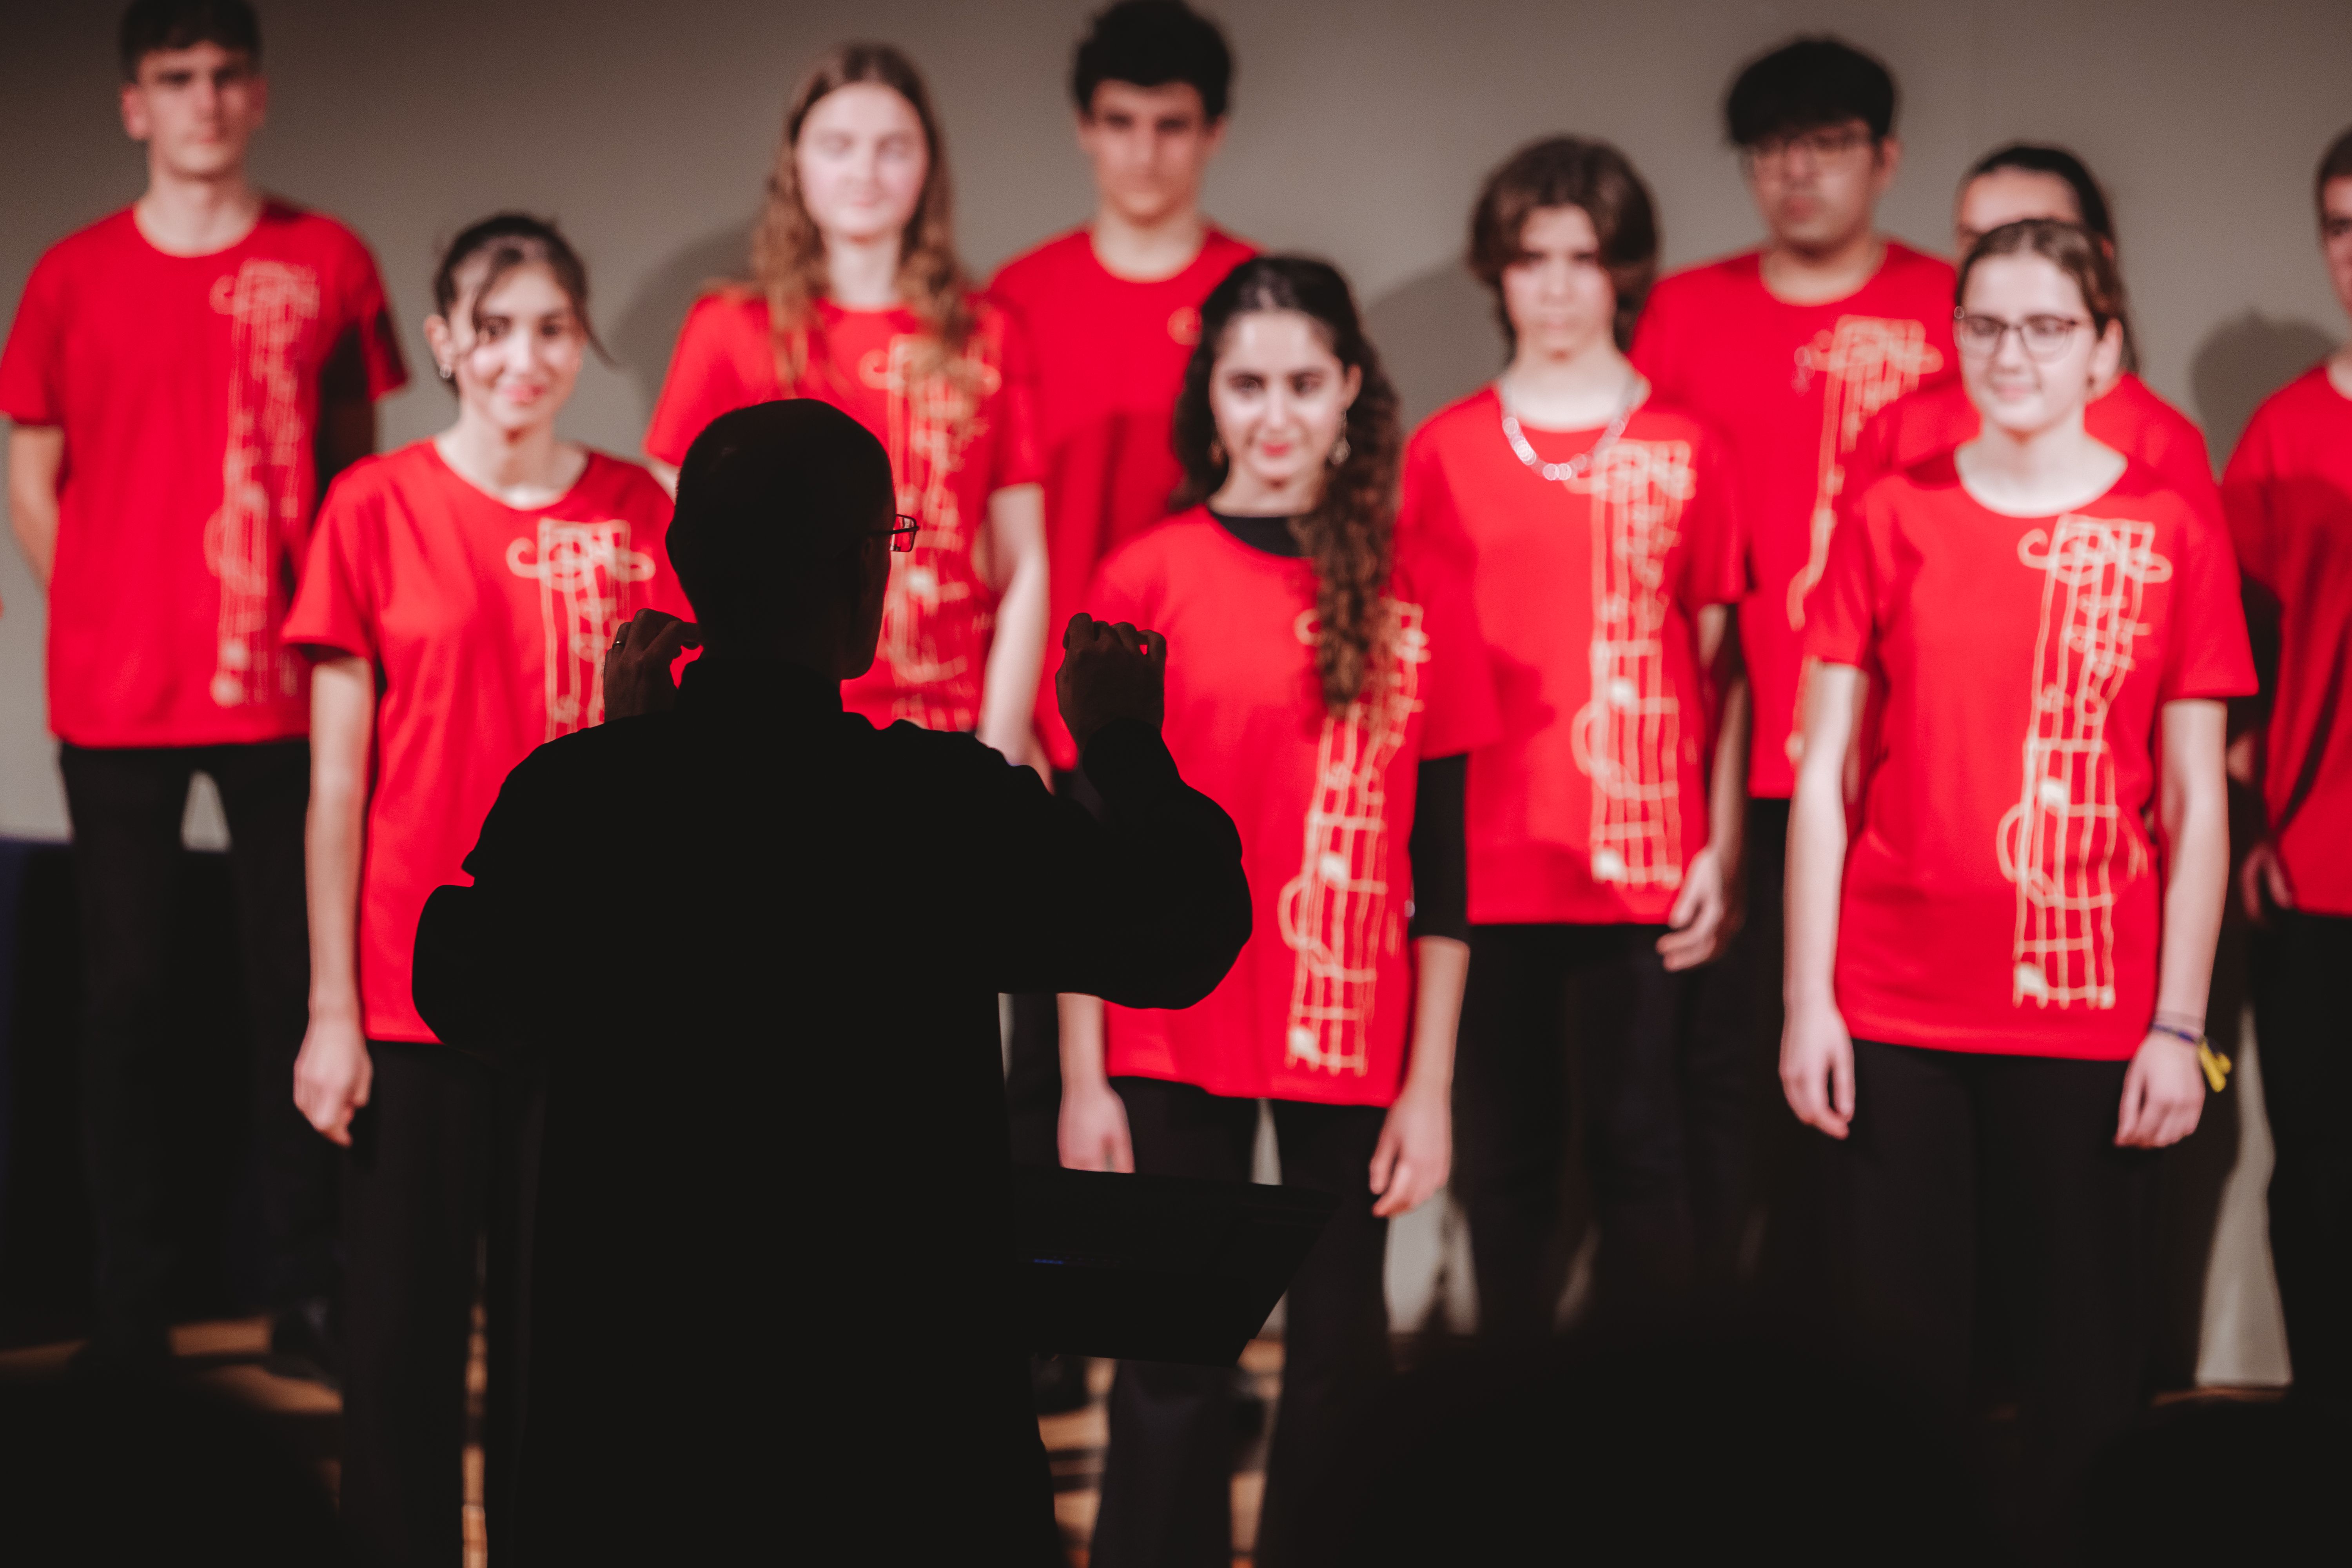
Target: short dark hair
{"points": [[1152, 42], [2056, 162], [155, 24], [1806, 84], [1568, 172], [2336, 164]]}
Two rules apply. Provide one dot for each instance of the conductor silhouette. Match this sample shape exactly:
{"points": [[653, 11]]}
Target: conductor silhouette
{"points": [[749, 949]]}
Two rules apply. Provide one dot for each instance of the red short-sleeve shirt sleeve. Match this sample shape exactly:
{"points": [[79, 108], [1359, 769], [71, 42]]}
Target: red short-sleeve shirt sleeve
{"points": [[2245, 501], [28, 387], [1841, 612], [1019, 460], [1458, 688], [2207, 654], [1714, 544], [335, 608], [706, 378], [367, 313]]}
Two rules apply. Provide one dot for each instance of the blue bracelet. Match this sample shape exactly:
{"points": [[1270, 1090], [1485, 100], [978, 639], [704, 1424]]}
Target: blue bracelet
{"points": [[2177, 1033]]}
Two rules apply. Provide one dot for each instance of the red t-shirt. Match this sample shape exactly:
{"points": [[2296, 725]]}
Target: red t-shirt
{"points": [[1316, 1006], [487, 625], [187, 388], [2001, 888], [2128, 416], [951, 446], [1109, 355], [1594, 799], [1790, 387], [2288, 490]]}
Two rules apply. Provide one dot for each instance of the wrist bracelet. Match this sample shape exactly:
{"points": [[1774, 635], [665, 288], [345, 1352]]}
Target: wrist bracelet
{"points": [[2193, 1038]]}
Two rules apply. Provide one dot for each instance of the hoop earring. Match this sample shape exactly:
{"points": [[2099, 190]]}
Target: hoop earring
{"points": [[1338, 450]]}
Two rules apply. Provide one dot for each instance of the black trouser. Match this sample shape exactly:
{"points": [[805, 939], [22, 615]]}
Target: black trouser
{"points": [[127, 805], [2304, 1030], [1949, 1146], [1595, 1004], [417, 1196], [1033, 1069], [1167, 1484]]}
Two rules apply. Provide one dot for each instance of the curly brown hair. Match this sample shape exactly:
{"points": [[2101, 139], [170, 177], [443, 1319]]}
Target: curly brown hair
{"points": [[1349, 535], [788, 253]]}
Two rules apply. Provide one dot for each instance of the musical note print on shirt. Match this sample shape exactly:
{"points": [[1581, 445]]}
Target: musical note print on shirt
{"points": [[1336, 914], [1867, 363], [583, 571], [266, 476], [2059, 842]]}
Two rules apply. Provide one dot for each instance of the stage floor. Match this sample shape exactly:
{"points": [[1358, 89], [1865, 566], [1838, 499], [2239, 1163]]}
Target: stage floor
{"points": [[229, 1355]]}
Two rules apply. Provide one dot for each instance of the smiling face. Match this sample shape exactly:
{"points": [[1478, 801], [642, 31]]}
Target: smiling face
{"points": [[1817, 190], [196, 109], [1149, 147], [1556, 293], [515, 355], [2009, 196], [861, 160], [2019, 384], [1279, 397]]}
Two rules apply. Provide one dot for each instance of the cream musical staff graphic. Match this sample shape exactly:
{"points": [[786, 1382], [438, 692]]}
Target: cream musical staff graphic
{"points": [[1336, 914], [1628, 738], [2059, 842], [583, 571], [1867, 362], [266, 476]]}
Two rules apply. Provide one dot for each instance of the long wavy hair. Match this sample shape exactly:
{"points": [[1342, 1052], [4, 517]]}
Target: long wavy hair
{"points": [[1349, 535], [788, 252]]}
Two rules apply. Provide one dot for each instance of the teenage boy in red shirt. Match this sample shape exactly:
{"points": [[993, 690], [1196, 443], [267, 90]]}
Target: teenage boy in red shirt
{"points": [[184, 377], [2288, 494], [1111, 312], [1787, 350]]}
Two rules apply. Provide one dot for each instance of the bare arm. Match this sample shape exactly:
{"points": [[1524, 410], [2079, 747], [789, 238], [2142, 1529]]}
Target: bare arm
{"points": [[1415, 1152], [333, 1074], [36, 456], [1708, 910], [664, 474], [1093, 1131], [1016, 657], [1816, 1052], [2164, 1092]]}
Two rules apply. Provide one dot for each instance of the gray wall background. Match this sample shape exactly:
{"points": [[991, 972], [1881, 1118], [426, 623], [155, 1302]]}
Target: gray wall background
{"points": [[1359, 132]]}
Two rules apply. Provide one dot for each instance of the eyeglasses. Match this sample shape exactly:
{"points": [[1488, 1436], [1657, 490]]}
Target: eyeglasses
{"points": [[2044, 337], [1829, 144], [902, 534]]}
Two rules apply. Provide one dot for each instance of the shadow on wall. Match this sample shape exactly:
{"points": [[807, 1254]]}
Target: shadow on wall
{"points": [[1437, 336], [2240, 363], [649, 327]]}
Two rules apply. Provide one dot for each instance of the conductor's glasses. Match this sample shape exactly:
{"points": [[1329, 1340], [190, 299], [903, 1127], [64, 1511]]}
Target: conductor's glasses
{"points": [[2044, 337], [902, 534]]}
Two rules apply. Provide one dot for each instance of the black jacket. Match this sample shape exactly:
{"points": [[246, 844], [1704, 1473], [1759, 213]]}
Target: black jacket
{"points": [[750, 952]]}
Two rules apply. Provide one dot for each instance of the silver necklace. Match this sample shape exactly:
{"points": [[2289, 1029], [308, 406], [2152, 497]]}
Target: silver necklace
{"points": [[1576, 468]]}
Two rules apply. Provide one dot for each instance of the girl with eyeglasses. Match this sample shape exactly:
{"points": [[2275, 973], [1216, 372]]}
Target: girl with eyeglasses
{"points": [[1325, 685], [2001, 914], [858, 298], [1605, 821], [458, 600], [2008, 185]]}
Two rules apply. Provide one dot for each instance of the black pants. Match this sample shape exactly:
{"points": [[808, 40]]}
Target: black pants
{"points": [[1033, 1070], [1167, 1496], [2304, 1032], [1595, 1004], [1950, 1147], [417, 1199], [127, 805]]}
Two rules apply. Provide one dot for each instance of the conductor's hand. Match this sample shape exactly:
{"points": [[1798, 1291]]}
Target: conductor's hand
{"points": [[636, 666], [1110, 672]]}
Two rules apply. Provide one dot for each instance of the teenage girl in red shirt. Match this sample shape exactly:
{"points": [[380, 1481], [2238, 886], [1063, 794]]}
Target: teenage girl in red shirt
{"points": [[1996, 971], [856, 298], [457, 602], [1605, 822], [1329, 685]]}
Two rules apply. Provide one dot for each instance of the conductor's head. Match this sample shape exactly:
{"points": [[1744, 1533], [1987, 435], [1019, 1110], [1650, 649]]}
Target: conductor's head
{"points": [[782, 535]]}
